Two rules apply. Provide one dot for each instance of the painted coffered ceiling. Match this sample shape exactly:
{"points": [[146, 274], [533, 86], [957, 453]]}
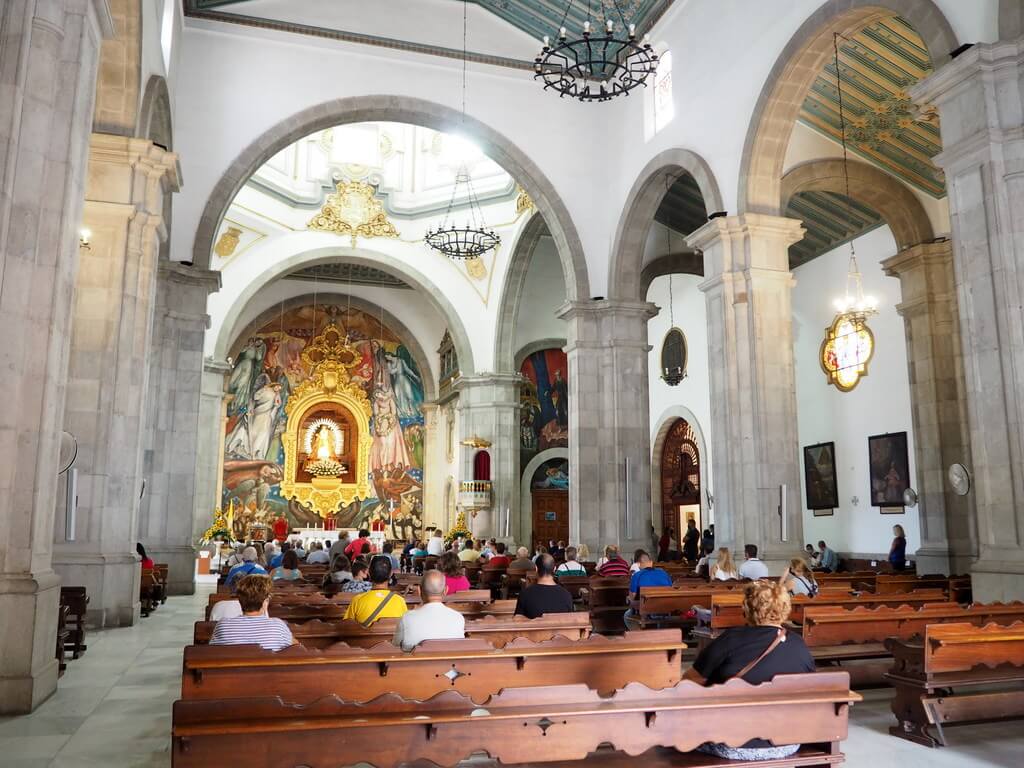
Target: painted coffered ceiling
{"points": [[830, 220], [877, 66]]}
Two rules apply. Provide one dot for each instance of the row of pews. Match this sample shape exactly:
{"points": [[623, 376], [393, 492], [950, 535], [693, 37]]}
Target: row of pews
{"points": [[519, 690]]}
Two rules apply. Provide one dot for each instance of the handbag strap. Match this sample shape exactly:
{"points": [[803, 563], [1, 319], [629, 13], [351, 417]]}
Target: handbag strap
{"points": [[380, 607], [780, 637]]}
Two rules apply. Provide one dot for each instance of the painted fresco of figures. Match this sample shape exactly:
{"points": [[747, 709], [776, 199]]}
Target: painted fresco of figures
{"points": [[266, 405], [544, 397], [388, 451], [248, 365], [405, 382]]}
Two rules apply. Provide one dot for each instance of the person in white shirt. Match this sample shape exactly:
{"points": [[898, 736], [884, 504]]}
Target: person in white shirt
{"points": [[571, 567], [317, 554], [752, 568], [225, 609], [436, 544], [724, 570], [431, 621]]}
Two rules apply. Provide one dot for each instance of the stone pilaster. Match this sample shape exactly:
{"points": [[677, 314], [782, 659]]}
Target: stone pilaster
{"points": [[172, 421], [609, 423], [937, 396], [489, 409], [754, 443], [47, 87], [980, 101], [209, 469], [108, 371]]}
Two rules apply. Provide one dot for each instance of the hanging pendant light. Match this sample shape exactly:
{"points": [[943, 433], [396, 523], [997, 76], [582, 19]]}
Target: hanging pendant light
{"points": [[673, 348], [596, 66], [849, 343], [472, 238]]}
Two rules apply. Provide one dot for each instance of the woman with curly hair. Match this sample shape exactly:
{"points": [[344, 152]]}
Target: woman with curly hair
{"points": [[454, 575], [755, 653]]}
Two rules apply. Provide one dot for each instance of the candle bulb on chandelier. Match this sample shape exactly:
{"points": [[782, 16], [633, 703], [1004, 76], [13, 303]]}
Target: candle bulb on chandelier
{"points": [[586, 28], [608, 26]]}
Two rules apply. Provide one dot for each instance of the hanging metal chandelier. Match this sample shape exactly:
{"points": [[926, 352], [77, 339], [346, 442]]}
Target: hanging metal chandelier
{"points": [[849, 343], [472, 239], [596, 66]]}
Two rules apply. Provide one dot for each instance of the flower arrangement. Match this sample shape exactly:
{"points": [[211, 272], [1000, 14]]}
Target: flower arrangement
{"points": [[459, 530]]}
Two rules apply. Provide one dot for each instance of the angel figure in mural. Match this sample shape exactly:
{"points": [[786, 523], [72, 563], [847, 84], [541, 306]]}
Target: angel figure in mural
{"points": [[266, 404], [388, 451], [249, 482], [405, 382], [248, 366], [414, 442], [381, 376], [237, 443]]}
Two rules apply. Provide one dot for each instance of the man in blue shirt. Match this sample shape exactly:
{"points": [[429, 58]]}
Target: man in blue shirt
{"points": [[829, 559], [646, 576], [247, 566], [278, 557]]}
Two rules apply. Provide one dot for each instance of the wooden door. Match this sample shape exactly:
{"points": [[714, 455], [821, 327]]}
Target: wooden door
{"points": [[550, 516]]}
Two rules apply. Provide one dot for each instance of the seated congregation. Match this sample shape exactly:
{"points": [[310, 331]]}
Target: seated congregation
{"points": [[698, 662]]}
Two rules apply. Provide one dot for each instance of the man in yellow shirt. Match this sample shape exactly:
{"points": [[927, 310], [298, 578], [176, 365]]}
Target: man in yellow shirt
{"points": [[379, 602], [469, 553]]}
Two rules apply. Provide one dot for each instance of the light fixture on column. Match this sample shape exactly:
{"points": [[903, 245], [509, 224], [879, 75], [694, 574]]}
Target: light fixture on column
{"points": [[84, 239], [599, 65], [472, 239], [849, 344]]}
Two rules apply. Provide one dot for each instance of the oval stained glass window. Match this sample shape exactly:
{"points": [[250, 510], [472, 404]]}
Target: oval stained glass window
{"points": [[673, 357]]}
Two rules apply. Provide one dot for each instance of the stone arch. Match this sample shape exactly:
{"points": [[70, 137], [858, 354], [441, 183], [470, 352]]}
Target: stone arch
{"points": [[526, 497], [512, 293], [536, 346], [669, 417], [416, 279], [155, 120], [400, 329], [1011, 19], [638, 214], [899, 206], [782, 95], [408, 110], [680, 263]]}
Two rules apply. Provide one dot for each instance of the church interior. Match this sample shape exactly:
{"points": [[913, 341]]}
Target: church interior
{"points": [[728, 291]]}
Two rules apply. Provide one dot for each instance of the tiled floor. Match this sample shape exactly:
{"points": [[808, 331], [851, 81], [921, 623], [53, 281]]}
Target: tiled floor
{"points": [[113, 709]]}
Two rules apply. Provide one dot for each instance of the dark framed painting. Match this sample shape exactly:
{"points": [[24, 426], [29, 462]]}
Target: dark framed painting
{"points": [[820, 477], [889, 469]]}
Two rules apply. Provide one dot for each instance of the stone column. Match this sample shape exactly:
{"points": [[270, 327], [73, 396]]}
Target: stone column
{"points": [[108, 371], [937, 396], [754, 444], [609, 423], [172, 421], [209, 469], [980, 100], [433, 450], [50, 54], [489, 409]]}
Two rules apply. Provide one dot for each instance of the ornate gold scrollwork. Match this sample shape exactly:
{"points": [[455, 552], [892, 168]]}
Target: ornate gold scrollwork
{"points": [[353, 210]]}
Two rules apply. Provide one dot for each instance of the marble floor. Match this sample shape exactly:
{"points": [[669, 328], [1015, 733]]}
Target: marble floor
{"points": [[113, 709]]}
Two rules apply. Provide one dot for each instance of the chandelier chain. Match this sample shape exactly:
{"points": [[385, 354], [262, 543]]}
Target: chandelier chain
{"points": [[671, 274], [842, 128]]}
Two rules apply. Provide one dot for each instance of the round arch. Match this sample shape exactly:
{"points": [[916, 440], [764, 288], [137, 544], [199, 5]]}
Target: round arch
{"points": [[899, 206], [155, 121], [361, 256], [638, 214], [679, 263], [775, 114], [512, 293], [341, 299], [415, 111], [665, 421], [526, 497], [536, 346]]}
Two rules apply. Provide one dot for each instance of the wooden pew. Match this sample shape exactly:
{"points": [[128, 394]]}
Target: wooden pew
{"points": [[678, 601], [496, 630], [77, 602], [606, 601], [526, 725], [150, 591], [471, 666], [62, 639], [316, 601], [161, 572], [959, 674]]}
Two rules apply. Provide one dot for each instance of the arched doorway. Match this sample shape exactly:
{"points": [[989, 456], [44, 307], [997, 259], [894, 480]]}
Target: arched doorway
{"points": [[680, 478], [549, 494]]}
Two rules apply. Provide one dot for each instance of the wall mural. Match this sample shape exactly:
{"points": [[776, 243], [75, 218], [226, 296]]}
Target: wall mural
{"points": [[268, 367], [544, 401], [552, 475]]}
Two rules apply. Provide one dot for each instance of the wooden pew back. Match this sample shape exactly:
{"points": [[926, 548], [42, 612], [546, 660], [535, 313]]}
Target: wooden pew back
{"points": [[961, 647]]}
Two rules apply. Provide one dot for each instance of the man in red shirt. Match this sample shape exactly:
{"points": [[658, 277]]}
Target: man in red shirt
{"points": [[501, 558], [355, 547], [613, 564]]}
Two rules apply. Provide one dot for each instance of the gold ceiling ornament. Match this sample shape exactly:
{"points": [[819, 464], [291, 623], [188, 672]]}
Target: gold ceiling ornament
{"points": [[227, 242], [476, 268], [524, 202], [330, 359], [353, 210]]}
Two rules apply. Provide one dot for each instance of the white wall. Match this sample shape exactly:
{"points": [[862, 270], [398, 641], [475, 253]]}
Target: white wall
{"points": [[880, 403], [693, 393], [543, 294]]}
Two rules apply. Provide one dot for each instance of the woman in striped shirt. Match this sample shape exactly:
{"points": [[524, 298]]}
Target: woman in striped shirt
{"points": [[253, 627]]}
